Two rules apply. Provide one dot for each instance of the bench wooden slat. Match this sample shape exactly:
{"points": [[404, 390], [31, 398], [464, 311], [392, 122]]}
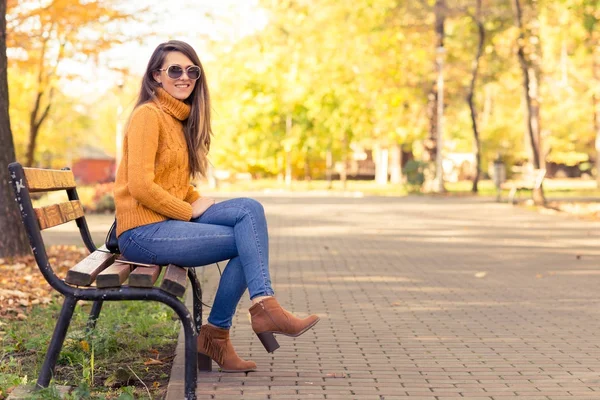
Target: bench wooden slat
{"points": [[44, 180], [144, 276], [134, 263], [113, 276], [530, 179], [85, 271], [57, 214], [103, 248], [175, 280]]}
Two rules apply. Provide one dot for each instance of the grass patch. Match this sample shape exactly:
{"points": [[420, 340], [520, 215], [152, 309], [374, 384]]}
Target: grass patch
{"points": [[266, 185], [557, 188], [131, 338]]}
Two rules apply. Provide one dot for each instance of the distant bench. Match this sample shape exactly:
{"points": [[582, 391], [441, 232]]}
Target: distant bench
{"points": [[101, 276], [530, 179]]}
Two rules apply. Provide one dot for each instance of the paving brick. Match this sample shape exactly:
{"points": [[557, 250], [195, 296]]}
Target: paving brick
{"points": [[421, 298]]}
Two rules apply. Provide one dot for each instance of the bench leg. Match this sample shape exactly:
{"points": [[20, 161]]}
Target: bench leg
{"points": [[511, 195], [204, 361], [94, 314], [60, 331], [197, 295], [191, 361]]}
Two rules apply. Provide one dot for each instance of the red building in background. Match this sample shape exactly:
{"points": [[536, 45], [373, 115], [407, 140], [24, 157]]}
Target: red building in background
{"points": [[94, 166]]}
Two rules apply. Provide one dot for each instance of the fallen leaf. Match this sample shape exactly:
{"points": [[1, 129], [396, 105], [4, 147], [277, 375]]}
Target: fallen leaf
{"points": [[336, 375], [15, 293], [152, 361], [85, 346], [23, 285]]}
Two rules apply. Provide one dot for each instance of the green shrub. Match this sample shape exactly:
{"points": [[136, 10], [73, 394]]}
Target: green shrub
{"points": [[98, 198], [106, 204], [415, 175]]}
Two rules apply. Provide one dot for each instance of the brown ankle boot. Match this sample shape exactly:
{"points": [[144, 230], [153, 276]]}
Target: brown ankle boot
{"points": [[214, 342], [268, 317]]}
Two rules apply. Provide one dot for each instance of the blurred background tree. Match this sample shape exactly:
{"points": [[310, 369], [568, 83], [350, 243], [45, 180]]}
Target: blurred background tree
{"points": [[50, 43], [319, 89]]}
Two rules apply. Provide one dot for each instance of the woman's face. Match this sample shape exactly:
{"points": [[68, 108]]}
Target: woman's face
{"points": [[181, 87]]}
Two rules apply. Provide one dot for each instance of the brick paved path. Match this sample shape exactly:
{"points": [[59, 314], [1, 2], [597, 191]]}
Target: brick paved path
{"points": [[430, 299]]}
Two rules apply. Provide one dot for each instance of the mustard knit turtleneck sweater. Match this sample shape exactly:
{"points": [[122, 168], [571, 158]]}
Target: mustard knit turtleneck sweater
{"points": [[153, 180]]}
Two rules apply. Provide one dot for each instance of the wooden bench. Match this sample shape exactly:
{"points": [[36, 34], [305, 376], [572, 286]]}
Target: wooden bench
{"points": [[101, 276], [530, 179]]}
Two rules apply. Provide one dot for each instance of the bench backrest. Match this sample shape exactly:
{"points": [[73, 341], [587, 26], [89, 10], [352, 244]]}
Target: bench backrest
{"points": [[537, 176], [530, 177], [35, 219]]}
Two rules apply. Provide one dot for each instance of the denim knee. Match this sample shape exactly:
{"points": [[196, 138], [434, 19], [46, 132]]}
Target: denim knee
{"points": [[251, 206]]}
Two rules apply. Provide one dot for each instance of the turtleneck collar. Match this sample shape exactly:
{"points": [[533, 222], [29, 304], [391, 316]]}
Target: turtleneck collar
{"points": [[172, 106]]}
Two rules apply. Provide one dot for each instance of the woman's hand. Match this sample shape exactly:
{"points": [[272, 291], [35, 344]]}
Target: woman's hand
{"points": [[201, 205]]}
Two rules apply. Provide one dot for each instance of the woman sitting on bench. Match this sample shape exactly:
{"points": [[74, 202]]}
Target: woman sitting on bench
{"points": [[161, 218]]}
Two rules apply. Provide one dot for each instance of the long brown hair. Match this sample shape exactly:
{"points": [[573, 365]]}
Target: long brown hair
{"points": [[196, 127]]}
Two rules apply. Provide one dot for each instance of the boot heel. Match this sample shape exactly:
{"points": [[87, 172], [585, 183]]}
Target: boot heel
{"points": [[204, 362], [268, 341]]}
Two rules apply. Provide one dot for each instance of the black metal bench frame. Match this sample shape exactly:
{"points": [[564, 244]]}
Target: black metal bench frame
{"points": [[191, 323]]}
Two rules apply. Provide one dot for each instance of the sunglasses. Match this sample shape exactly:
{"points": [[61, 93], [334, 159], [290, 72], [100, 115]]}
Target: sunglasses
{"points": [[176, 71]]}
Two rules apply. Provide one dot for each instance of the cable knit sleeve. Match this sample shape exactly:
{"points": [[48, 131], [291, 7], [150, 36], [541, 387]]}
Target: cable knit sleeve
{"points": [[142, 143]]}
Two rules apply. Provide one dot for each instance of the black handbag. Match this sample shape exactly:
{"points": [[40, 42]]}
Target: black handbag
{"points": [[111, 242]]}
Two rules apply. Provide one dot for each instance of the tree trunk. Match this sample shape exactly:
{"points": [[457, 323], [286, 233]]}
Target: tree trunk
{"points": [[344, 171], [35, 122], [596, 100], [381, 164], [396, 164], [329, 167], [288, 152], [598, 158], [307, 174], [13, 240], [30, 156], [531, 71], [471, 94], [431, 145]]}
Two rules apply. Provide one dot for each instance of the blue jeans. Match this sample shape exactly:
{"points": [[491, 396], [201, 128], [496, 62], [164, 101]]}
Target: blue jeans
{"points": [[234, 230]]}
